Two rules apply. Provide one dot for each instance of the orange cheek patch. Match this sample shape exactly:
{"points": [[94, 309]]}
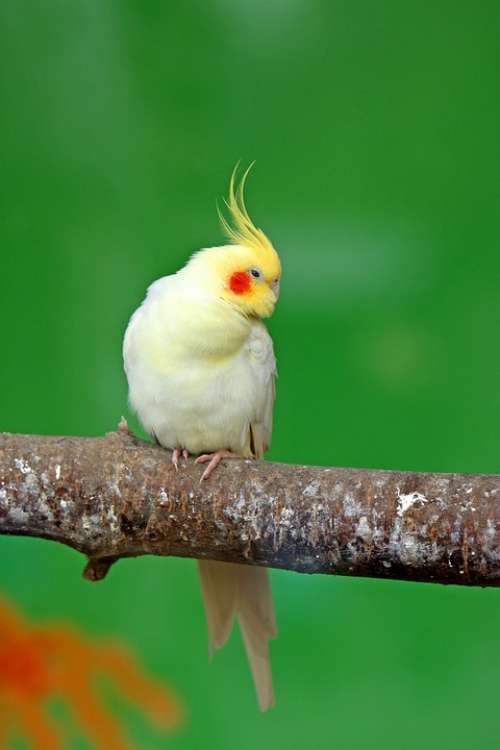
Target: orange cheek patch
{"points": [[240, 282]]}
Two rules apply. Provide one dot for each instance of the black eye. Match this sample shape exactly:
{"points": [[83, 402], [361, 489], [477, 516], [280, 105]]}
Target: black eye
{"points": [[255, 273]]}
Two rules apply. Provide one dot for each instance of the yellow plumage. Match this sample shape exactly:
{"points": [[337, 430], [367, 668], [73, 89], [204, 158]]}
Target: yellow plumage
{"points": [[243, 231], [201, 371]]}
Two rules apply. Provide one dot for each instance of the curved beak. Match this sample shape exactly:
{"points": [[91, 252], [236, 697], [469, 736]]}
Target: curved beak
{"points": [[275, 286]]}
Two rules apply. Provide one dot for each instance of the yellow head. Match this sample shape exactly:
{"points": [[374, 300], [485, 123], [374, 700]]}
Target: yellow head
{"points": [[249, 267]]}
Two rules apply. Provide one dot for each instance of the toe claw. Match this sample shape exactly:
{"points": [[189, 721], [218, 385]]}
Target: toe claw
{"points": [[203, 458], [210, 468], [214, 460]]}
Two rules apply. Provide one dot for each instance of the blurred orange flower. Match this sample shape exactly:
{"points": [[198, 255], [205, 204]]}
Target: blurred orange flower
{"points": [[42, 662]]}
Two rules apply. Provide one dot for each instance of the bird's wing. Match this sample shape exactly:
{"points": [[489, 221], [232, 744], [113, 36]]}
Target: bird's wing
{"points": [[261, 355]]}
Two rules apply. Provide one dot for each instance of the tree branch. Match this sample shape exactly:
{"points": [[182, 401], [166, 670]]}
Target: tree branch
{"points": [[116, 496]]}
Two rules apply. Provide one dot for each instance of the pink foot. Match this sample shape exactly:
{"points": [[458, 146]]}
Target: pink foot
{"points": [[176, 454], [214, 459]]}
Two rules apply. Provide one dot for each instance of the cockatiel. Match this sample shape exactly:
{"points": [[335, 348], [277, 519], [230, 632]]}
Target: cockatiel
{"points": [[201, 374]]}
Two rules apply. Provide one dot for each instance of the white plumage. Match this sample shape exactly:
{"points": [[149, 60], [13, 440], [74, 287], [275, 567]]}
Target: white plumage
{"points": [[201, 371]]}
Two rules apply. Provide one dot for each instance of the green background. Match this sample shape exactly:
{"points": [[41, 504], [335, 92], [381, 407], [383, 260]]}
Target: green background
{"points": [[375, 128]]}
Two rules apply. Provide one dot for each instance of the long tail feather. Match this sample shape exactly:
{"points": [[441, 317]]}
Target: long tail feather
{"points": [[255, 612], [218, 586], [242, 590]]}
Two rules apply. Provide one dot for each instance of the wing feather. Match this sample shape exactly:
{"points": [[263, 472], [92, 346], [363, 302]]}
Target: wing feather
{"points": [[263, 361]]}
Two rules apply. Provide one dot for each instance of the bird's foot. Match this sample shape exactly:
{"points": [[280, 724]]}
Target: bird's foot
{"points": [[214, 460], [176, 454]]}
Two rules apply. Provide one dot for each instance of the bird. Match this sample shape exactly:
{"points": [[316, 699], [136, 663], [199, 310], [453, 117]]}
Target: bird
{"points": [[201, 373]]}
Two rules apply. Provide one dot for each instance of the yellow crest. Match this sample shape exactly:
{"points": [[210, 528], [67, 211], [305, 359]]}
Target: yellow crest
{"points": [[241, 230]]}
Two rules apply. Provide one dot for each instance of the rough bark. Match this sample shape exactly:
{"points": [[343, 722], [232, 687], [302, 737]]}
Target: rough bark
{"points": [[115, 496]]}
